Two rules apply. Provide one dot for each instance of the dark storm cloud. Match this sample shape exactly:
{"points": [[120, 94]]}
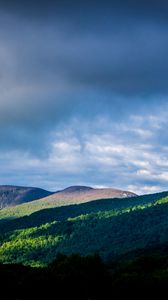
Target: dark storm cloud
{"points": [[141, 7], [84, 55], [47, 65], [117, 46]]}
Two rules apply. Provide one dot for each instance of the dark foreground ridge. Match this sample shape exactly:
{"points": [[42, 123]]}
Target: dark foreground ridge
{"points": [[83, 278]]}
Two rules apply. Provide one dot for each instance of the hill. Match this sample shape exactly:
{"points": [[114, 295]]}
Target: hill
{"points": [[14, 195], [76, 188], [68, 196], [84, 193], [110, 227]]}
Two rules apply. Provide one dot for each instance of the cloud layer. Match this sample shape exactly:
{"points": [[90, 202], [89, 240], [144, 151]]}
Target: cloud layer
{"points": [[100, 152], [84, 93]]}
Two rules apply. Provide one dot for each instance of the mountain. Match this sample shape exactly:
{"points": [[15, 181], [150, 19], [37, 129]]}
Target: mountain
{"points": [[68, 196], [94, 193], [77, 188], [110, 227], [82, 194], [14, 195]]}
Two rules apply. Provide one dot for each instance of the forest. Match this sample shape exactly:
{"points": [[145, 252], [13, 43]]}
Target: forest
{"points": [[88, 278], [104, 249], [108, 228]]}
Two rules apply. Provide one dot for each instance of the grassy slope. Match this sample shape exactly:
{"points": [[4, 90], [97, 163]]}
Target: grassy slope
{"points": [[105, 226], [31, 207]]}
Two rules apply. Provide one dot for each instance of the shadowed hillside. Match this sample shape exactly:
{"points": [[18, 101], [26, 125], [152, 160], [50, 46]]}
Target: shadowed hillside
{"points": [[108, 227], [83, 278], [14, 195]]}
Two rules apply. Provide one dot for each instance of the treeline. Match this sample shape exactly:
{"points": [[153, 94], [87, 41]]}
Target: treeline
{"points": [[86, 278]]}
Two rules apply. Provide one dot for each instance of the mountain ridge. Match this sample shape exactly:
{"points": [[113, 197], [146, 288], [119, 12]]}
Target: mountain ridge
{"points": [[11, 195]]}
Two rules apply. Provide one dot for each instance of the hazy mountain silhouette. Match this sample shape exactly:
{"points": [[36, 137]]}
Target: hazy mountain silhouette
{"points": [[14, 195]]}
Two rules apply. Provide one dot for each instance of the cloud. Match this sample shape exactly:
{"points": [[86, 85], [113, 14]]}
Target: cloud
{"points": [[45, 65], [146, 189], [84, 89], [98, 152], [40, 7]]}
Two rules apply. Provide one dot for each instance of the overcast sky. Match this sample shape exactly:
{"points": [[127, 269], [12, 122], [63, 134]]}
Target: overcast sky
{"points": [[84, 94]]}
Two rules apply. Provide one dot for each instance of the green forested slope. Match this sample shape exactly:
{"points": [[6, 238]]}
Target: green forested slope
{"points": [[105, 227], [37, 205]]}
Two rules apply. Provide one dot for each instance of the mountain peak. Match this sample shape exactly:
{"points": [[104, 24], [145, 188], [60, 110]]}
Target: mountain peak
{"points": [[77, 188]]}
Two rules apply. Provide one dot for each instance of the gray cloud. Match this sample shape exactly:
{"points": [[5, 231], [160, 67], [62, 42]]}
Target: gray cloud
{"points": [[124, 154], [42, 7], [62, 61]]}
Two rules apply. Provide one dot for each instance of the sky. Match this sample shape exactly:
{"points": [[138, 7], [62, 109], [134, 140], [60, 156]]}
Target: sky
{"points": [[84, 94]]}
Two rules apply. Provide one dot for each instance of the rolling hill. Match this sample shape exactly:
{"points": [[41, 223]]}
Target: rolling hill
{"points": [[83, 194], [14, 195], [110, 227], [68, 196]]}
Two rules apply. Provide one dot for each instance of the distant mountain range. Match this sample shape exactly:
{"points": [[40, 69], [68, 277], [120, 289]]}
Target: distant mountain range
{"points": [[14, 195]]}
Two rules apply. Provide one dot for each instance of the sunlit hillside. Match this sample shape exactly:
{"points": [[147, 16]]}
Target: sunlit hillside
{"points": [[108, 227]]}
